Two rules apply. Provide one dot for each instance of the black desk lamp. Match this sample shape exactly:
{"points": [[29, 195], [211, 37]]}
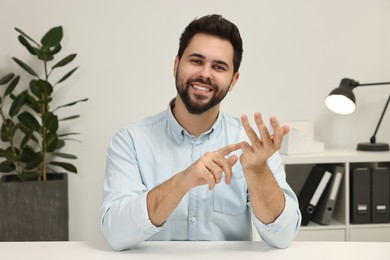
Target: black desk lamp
{"points": [[342, 101]]}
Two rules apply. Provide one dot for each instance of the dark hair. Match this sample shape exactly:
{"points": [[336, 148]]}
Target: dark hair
{"points": [[214, 25]]}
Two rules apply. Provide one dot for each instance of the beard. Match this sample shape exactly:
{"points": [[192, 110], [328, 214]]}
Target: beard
{"points": [[196, 104]]}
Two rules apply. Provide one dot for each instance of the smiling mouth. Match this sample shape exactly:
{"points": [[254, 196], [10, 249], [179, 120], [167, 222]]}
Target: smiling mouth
{"points": [[201, 89]]}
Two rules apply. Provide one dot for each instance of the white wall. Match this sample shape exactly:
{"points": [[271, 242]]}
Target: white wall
{"points": [[295, 53]]}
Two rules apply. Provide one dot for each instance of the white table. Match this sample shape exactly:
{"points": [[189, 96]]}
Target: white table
{"points": [[195, 250]]}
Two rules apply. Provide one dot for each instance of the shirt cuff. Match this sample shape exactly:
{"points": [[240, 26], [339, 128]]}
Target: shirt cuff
{"points": [[139, 211], [281, 222]]}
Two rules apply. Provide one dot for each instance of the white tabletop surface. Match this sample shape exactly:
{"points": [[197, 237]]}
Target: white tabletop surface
{"points": [[195, 250]]}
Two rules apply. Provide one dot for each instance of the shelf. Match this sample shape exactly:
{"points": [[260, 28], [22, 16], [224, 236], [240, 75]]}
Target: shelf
{"points": [[334, 224], [336, 155], [370, 225], [297, 169]]}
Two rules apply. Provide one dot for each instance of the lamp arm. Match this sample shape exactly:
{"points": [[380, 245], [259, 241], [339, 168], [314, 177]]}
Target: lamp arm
{"points": [[373, 138], [373, 84]]}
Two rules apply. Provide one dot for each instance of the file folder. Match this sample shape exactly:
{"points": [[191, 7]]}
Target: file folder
{"points": [[380, 195], [311, 192], [324, 211], [360, 193]]}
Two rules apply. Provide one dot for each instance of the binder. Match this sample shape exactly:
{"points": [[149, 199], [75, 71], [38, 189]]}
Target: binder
{"points": [[311, 192], [360, 195], [324, 211], [380, 195]]}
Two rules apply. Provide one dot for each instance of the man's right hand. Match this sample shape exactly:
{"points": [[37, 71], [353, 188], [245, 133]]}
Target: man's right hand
{"points": [[164, 198], [208, 169]]}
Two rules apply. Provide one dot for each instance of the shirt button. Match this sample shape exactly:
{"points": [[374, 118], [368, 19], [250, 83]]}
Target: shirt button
{"points": [[196, 148], [193, 219]]}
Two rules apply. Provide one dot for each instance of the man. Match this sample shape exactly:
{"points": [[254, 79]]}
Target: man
{"points": [[187, 173]]}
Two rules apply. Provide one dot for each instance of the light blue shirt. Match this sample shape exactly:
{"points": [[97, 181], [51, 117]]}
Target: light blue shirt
{"points": [[147, 153]]}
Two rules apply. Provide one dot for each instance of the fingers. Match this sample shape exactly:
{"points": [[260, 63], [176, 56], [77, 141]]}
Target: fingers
{"points": [[225, 167], [254, 139], [228, 149], [278, 132], [265, 136], [210, 179], [286, 129], [228, 171], [266, 140]]}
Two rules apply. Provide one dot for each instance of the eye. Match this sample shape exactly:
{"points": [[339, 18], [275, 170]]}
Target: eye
{"points": [[219, 67], [196, 61]]}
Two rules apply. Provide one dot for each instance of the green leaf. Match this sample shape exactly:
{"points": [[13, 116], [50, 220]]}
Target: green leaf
{"points": [[60, 144], [25, 35], [7, 166], [4, 80], [64, 61], [35, 161], [55, 50], [8, 133], [29, 121], [35, 89], [50, 122], [42, 89], [65, 155], [30, 133], [66, 134], [53, 37], [8, 153], [25, 67], [27, 137], [32, 103], [17, 104], [72, 103], [69, 118], [28, 176], [67, 75], [71, 139], [11, 86], [51, 142], [3, 153], [5, 126], [66, 166], [45, 55], [25, 43], [27, 154], [46, 87]]}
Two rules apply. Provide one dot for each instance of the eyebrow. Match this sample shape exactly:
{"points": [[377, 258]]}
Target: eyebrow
{"points": [[203, 57]]}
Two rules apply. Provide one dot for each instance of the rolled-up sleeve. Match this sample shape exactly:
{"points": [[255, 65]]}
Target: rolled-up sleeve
{"points": [[124, 215], [283, 230]]}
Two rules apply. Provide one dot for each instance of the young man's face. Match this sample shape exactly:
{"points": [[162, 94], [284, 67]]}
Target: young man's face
{"points": [[204, 74]]}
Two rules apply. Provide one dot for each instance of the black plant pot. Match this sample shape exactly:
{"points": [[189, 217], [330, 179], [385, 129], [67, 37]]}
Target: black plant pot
{"points": [[34, 210]]}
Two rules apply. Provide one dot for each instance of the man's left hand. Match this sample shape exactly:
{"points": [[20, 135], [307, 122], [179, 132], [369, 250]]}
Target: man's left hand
{"points": [[254, 155]]}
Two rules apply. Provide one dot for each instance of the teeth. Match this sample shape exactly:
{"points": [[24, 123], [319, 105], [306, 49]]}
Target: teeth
{"points": [[201, 88]]}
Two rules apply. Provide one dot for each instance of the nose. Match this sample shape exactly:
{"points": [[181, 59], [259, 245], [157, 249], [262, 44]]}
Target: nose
{"points": [[206, 72]]}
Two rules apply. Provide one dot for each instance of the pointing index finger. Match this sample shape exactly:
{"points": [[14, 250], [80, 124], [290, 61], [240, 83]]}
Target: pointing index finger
{"points": [[228, 149]]}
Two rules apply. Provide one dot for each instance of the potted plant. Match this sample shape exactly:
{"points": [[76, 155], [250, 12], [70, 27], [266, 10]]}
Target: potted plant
{"points": [[33, 195]]}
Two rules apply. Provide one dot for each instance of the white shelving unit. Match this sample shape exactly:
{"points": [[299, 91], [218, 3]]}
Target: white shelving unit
{"points": [[297, 169]]}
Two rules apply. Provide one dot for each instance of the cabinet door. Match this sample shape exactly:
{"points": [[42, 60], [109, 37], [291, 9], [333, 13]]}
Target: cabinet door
{"points": [[372, 234], [321, 235]]}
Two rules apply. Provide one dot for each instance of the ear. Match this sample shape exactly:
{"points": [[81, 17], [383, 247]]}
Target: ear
{"points": [[234, 80], [175, 66]]}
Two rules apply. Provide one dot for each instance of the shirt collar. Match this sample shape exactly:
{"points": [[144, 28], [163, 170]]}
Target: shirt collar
{"points": [[180, 132]]}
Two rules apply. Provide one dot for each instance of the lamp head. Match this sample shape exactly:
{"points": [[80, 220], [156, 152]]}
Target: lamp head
{"points": [[342, 100]]}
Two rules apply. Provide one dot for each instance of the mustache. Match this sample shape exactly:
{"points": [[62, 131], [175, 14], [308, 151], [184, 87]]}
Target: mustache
{"points": [[202, 81]]}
